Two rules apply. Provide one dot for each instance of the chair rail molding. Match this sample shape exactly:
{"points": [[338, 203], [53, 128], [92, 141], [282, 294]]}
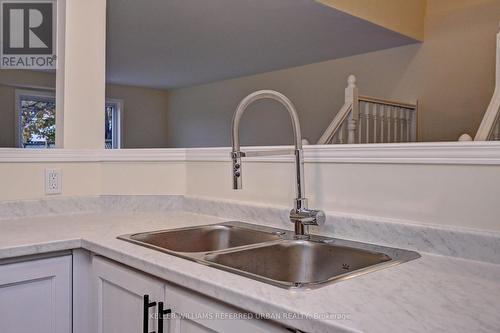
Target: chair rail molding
{"points": [[91, 155], [468, 153], [458, 153]]}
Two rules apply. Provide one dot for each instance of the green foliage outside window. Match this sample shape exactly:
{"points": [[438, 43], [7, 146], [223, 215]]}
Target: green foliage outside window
{"points": [[38, 119]]}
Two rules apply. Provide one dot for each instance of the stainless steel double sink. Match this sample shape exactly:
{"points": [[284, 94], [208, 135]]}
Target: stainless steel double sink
{"points": [[272, 255]]}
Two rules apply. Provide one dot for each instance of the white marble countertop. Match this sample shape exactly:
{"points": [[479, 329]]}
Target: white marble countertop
{"points": [[431, 294]]}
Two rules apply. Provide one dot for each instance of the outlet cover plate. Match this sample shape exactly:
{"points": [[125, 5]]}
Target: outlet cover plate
{"points": [[53, 181]]}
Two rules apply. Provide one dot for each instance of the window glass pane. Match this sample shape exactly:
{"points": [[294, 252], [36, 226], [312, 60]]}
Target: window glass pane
{"points": [[38, 122], [108, 127]]}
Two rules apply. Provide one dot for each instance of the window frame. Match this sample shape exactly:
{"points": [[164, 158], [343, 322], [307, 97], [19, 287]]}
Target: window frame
{"points": [[117, 129]]}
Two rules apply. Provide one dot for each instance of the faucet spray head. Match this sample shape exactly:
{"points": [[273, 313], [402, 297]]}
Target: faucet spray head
{"points": [[236, 158]]}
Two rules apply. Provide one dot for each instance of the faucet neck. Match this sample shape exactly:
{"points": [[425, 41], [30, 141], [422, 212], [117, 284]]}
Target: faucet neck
{"points": [[300, 200], [265, 94], [237, 154]]}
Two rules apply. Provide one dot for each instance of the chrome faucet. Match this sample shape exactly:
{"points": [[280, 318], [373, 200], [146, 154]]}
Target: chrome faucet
{"points": [[300, 215]]}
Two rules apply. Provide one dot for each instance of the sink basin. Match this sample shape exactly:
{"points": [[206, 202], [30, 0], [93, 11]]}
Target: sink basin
{"points": [[204, 238], [298, 262], [272, 255]]}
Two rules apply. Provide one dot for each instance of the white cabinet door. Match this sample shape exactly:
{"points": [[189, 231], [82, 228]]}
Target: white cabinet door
{"points": [[195, 313], [35, 296], [119, 294], [119, 298]]}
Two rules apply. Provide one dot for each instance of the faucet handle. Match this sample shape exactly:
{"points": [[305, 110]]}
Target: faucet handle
{"points": [[306, 216]]}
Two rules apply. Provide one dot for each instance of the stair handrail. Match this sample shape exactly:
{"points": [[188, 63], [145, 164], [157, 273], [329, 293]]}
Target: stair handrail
{"points": [[492, 113]]}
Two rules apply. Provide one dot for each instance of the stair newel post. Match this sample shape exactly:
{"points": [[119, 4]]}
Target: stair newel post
{"points": [[351, 95]]}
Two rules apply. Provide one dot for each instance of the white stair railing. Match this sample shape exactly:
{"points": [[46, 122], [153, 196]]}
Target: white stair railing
{"points": [[365, 119], [490, 125], [342, 128]]}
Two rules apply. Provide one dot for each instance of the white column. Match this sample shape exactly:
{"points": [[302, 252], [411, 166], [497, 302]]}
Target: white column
{"points": [[80, 93]]}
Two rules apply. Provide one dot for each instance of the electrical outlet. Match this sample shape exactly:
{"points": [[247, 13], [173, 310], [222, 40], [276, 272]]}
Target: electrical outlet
{"points": [[53, 181]]}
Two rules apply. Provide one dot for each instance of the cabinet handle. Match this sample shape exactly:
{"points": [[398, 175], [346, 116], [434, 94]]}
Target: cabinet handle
{"points": [[146, 305], [161, 312]]}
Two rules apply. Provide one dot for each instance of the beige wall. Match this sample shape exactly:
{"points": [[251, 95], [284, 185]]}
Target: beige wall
{"points": [[7, 115], [25, 181], [27, 78], [143, 178], [451, 74], [145, 115], [405, 17], [445, 195]]}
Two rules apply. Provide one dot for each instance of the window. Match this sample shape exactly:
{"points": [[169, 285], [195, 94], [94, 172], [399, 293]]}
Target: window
{"points": [[112, 124], [36, 120]]}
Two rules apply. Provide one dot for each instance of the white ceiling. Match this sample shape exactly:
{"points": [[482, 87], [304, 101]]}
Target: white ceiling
{"points": [[178, 43]]}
